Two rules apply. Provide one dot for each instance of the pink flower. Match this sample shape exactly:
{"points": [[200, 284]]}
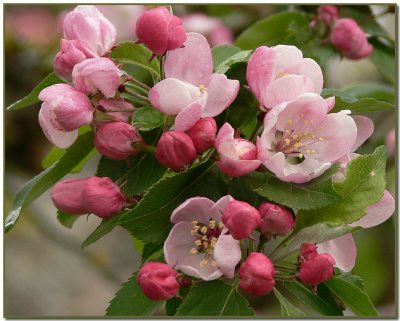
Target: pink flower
{"points": [[307, 251], [300, 140], [116, 109], [160, 30], [191, 91], [67, 196], [210, 27], [256, 274], [203, 134], [237, 156], [390, 142], [71, 53], [63, 111], [102, 197], [241, 219], [328, 14], [88, 25], [275, 220], [158, 281], [97, 74], [115, 140], [350, 39], [281, 74], [175, 150], [199, 244], [317, 269]]}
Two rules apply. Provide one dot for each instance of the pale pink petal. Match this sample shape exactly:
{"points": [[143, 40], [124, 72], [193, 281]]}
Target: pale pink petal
{"points": [[191, 266], [286, 88], [365, 128], [171, 95], [331, 102], [220, 206], [308, 67], [237, 168], [188, 117], [193, 209], [288, 59], [377, 213], [260, 70], [55, 91], [57, 137], [192, 63], [227, 254], [225, 134], [221, 93], [343, 249]]}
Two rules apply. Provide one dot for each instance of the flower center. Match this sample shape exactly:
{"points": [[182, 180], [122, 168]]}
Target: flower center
{"points": [[202, 88], [206, 237]]}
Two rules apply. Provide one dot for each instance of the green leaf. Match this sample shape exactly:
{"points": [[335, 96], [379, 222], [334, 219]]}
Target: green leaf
{"points": [[346, 100], [111, 168], [351, 278], [351, 295], [311, 300], [150, 249], [214, 298], [171, 306], [317, 193], [241, 56], [67, 220], [131, 53], [363, 185], [105, 227], [130, 301], [270, 31], [287, 308], [150, 219], [42, 182], [221, 53], [381, 92], [384, 59], [147, 118], [32, 97]]}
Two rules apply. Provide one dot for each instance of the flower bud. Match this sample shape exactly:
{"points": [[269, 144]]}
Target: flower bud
{"points": [[115, 140], [88, 25], [203, 134], [102, 197], [116, 110], [328, 14], [256, 274], [67, 196], [97, 74], [158, 281], [350, 39], [71, 53], [307, 251], [275, 219], [160, 31], [175, 150], [317, 269], [241, 219]]}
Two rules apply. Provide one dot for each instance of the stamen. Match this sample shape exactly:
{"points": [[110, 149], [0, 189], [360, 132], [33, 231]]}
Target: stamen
{"points": [[290, 121], [194, 251], [202, 89], [213, 263], [212, 224], [205, 238], [194, 223], [300, 155], [287, 141], [203, 262], [203, 230], [321, 139], [198, 242], [221, 225]]}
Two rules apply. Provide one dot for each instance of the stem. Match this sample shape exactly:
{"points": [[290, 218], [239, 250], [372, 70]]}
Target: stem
{"points": [[139, 83], [135, 94], [242, 250], [137, 88], [261, 242], [162, 62], [251, 246]]}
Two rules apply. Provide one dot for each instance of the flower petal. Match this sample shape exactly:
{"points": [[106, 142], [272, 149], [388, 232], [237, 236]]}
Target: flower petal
{"points": [[191, 266], [331, 102], [365, 128], [192, 63], [343, 249], [193, 209], [188, 117], [227, 254], [308, 67], [55, 91], [220, 206], [288, 59]]}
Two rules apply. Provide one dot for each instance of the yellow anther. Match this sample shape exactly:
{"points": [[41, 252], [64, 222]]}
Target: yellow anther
{"points": [[313, 151], [203, 230], [193, 232], [308, 151], [202, 89], [312, 136], [194, 251], [205, 238], [213, 263], [203, 262], [287, 141], [281, 74], [295, 136], [300, 155], [206, 245], [287, 131], [212, 224], [221, 225], [290, 121], [198, 242], [194, 222], [321, 139]]}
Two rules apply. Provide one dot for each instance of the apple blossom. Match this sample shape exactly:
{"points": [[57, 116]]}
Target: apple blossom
{"points": [[275, 220], [317, 269], [67, 195], [191, 90], [199, 244], [116, 109], [237, 156], [328, 14], [203, 134]]}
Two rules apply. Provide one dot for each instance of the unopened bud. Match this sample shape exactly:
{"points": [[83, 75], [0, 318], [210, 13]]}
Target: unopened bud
{"points": [[203, 134], [275, 219], [317, 269], [67, 196]]}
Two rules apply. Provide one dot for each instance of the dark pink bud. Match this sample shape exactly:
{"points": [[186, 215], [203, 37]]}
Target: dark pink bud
{"points": [[317, 269], [102, 197], [256, 274], [307, 251], [158, 281], [116, 110], [350, 39], [241, 219], [203, 134], [328, 14], [115, 140], [160, 31], [71, 53], [175, 150], [275, 219], [67, 196]]}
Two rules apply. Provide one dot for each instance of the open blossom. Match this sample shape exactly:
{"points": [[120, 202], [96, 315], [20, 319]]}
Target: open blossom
{"points": [[160, 30], [88, 25], [97, 74], [191, 90], [300, 140], [237, 156], [280, 73], [67, 195], [210, 27], [63, 111], [199, 244], [348, 37]]}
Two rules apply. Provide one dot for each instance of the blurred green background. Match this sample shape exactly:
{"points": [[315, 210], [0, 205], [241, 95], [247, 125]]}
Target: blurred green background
{"points": [[46, 272]]}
